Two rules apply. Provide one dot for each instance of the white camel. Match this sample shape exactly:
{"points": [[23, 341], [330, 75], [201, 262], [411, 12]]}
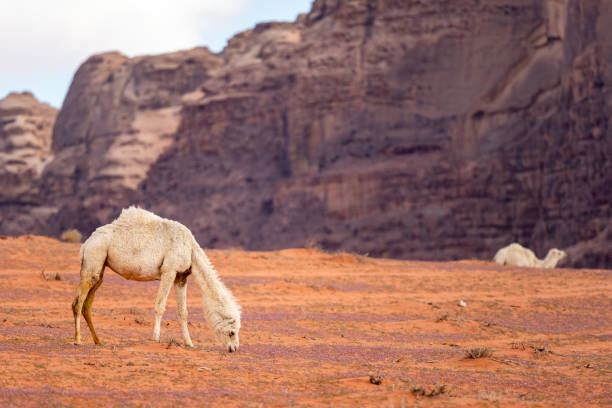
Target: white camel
{"points": [[518, 255], [142, 246]]}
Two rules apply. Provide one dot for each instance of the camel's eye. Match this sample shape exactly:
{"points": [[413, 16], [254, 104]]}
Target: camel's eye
{"points": [[231, 334]]}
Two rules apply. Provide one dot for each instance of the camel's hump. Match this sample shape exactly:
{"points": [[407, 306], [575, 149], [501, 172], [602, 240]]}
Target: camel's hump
{"points": [[135, 215]]}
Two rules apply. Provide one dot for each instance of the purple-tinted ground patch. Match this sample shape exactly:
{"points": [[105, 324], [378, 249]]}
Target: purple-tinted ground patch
{"points": [[133, 397], [290, 328], [317, 284], [238, 280], [591, 305], [339, 317], [348, 354], [548, 322]]}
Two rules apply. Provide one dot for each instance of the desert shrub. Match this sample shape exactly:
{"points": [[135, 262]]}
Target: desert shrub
{"points": [[53, 276], [376, 379], [71, 235], [478, 352], [313, 243], [428, 391]]}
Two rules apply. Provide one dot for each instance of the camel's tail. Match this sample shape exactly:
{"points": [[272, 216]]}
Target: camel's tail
{"points": [[82, 252]]}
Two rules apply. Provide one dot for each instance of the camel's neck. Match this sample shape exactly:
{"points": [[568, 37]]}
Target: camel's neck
{"points": [[549, 262], [206, 277], [218, 301]]}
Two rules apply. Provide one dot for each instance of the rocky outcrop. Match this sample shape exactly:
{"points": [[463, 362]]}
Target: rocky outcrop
{"points": [[119, 115], [593, 252], [25, 148], [428, 130]]}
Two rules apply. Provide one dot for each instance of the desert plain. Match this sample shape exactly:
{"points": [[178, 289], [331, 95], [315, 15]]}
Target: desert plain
{"points": [[318, 329]]}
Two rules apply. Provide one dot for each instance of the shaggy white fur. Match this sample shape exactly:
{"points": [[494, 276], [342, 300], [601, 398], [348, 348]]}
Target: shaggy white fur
{"points": [[142, 246], [518, 255]]}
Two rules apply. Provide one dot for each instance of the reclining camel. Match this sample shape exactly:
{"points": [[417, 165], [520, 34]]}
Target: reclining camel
{"points": [[518, 255], [141, 246]]}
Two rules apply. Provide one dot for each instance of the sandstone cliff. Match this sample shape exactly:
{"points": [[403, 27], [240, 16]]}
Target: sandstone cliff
{"points": [[25, 148], [427, 130]]}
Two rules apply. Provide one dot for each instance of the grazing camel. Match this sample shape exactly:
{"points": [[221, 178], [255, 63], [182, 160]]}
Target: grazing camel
{"points": [[518, 255], [142, 246]]}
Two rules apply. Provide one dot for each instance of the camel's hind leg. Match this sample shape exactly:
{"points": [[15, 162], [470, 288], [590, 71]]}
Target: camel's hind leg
{"points": [[92, 267], [87, 308], [77, 306]]}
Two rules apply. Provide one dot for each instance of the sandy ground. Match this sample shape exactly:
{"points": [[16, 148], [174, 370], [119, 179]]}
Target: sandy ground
{"points": [[315, 327]]}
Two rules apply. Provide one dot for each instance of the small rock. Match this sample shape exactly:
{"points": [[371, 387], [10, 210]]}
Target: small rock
{"points": [[462, 303], [376, 379]]}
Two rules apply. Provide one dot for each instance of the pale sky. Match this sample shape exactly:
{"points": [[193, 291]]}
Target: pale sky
{"points": [[43, 42]]}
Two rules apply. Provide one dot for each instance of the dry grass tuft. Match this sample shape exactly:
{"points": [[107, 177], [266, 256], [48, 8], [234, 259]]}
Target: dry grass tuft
{"points": [[314, 244], [442, 318], [478, 352], [71, 235], [540, 350], [376, 379], [173, 342], [359, 257], [53, 276], [428, 391]]}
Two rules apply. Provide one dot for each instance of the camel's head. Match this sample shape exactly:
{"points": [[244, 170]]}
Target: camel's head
{"points": [[227, 332], [557, 254], [553, 257]]}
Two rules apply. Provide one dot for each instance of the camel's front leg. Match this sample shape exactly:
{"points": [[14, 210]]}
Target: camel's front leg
{"points": [[180, 287], [167, 278]]}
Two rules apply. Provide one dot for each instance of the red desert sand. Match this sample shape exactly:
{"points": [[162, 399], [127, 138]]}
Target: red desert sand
{"points": [[318, 329]]}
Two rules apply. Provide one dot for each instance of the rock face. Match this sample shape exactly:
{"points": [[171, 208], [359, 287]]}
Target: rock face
{"points": [[119, 115], [595, 251], [25, 148], [426, 130]]}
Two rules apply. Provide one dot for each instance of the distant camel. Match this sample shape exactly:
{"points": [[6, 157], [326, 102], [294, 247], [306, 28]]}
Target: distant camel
{"points": [[517, 255], [141, 246]]}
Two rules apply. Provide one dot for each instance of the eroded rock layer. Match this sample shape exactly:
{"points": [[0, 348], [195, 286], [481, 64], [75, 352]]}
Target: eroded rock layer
{"points": [[25, 149]]}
